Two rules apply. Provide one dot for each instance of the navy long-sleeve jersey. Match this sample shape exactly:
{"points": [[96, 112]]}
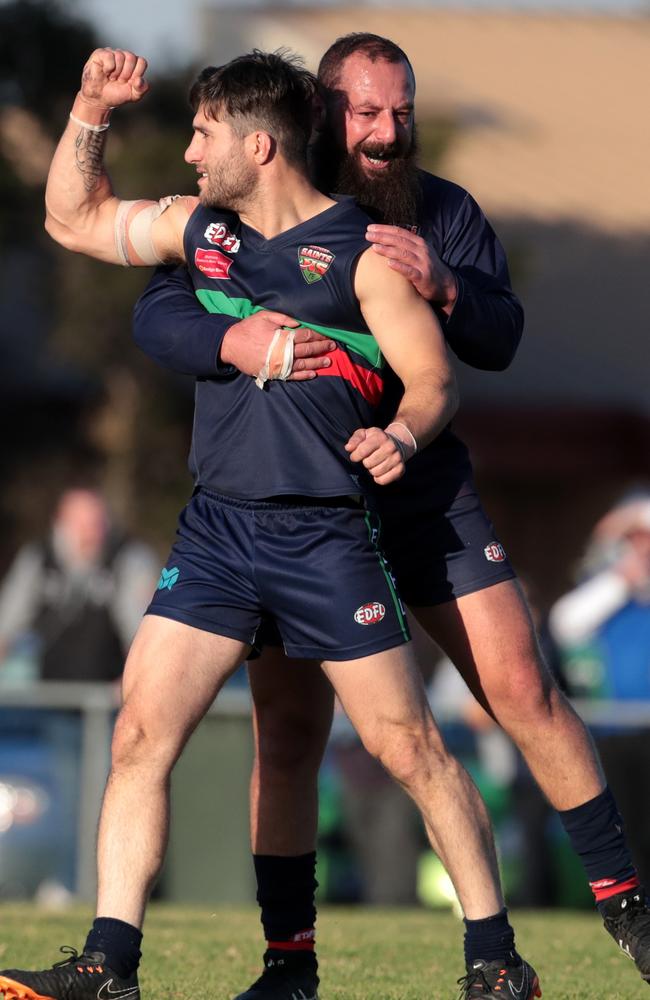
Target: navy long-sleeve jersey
{"points": [[484, 330]]}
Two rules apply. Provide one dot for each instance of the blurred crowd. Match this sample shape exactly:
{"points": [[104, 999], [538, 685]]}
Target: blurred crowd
{"points": [[70, 604]]}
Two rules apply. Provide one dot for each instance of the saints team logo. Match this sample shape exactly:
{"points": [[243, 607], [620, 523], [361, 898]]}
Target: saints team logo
{"points": [[314, 263]]}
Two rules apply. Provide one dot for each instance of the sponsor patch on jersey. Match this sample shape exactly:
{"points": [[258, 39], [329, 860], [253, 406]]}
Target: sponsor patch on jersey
{"points": [[212, 263], [370, 614], [314, 263], [494, 552], [218, 232]]}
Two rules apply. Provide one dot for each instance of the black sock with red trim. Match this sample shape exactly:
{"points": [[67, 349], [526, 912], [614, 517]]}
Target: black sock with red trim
{"points": [[285, 893], [119, 942], [596, 832]]}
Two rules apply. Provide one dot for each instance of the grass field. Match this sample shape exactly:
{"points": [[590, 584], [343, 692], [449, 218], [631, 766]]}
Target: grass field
{"points": [[193, 954]]}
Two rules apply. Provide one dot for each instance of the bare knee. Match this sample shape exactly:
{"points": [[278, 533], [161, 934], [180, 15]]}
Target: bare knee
{"points": [[526, 699], [137, 745], [413, 754]]}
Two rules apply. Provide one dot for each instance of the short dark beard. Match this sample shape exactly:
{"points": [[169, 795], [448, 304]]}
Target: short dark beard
{"points": [[393, 196], [230, 186]]}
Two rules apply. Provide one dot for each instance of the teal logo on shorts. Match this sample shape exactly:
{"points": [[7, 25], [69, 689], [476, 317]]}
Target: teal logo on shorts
{"points": [[168, 578]]}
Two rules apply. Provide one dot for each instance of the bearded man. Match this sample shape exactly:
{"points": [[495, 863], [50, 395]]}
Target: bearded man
{"points": [[451, 568]]}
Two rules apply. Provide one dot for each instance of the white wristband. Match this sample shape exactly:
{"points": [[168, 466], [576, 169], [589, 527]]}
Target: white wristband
{"points": [[91, 128]]}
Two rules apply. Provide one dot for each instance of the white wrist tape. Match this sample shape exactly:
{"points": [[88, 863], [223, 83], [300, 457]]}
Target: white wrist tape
{"points": [[91, 128], [286, 363]]}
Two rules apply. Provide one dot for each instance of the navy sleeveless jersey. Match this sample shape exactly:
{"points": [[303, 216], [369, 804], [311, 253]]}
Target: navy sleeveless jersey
{"points": [[289, 437]]}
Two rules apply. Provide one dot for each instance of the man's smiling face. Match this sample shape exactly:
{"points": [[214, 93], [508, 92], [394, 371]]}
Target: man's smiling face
{"points": [[366, 146], [372, 117]]}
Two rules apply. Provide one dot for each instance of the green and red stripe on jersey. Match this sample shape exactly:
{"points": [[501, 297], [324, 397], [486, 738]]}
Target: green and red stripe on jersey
{"points": [[358, 360]]}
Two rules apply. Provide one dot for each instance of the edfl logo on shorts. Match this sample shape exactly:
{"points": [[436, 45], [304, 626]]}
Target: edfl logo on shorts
{"points": [[168, 578], [494, 552], [370, 614]]}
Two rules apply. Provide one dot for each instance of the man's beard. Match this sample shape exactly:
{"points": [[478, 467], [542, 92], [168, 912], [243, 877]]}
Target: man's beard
{"points": [[392, 196], [230, 185]]}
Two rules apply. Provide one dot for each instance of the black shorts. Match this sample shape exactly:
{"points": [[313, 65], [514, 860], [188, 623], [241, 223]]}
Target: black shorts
{"points": [[315, 569], [439, 554]]}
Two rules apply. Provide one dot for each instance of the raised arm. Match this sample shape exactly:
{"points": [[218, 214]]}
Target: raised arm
{"points": [[411, 340], [82, 212]]}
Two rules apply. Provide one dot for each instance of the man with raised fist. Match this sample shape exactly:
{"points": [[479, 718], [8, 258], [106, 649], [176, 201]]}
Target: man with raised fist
{"points": [[280, 523]]}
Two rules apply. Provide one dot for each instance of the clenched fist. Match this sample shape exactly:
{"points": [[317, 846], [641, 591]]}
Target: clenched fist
{"points": [[379, 452], [112, 77]]}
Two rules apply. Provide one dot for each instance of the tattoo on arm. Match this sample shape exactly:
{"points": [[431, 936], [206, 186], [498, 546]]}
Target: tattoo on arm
{"points": [[89, 157]]}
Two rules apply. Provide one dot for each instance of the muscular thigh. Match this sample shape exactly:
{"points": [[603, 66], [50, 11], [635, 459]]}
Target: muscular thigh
{"points": [[292, 699], [383, 694], [174, 672], [293, 689], [490, 638]]}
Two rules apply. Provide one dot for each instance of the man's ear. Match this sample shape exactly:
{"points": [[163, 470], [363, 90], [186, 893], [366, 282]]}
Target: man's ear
{"points": [[261, 146]]}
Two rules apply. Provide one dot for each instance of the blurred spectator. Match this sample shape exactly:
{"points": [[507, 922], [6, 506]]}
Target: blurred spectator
{"points": [[603, 627], [77, 596], [80, 592]]}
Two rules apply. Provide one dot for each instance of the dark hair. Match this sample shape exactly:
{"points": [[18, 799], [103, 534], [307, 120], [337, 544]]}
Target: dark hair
{"points": [[271, 91], [374, 47]]}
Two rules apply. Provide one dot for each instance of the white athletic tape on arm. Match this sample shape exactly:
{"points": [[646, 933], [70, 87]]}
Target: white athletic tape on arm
{"points": [[138, 231], [121, 241], [287, 359]]}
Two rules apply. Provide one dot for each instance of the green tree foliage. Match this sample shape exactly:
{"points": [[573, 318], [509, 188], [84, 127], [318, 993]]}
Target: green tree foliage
{"points": [[128, 422]]}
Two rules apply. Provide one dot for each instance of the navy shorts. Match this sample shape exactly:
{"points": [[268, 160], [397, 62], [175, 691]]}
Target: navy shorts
{"points": [[314, 566], [439, 554]]}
